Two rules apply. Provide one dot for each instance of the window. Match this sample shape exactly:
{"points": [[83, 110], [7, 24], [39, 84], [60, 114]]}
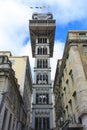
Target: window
{"points": [[39, 51], [45, 63], [42, 98], [4, 119], [42, 79], [84, 48], [47, 123], [82, 35], [36, 123], [13, 124], [71, 107], [39, 40], [42, 123], [42, 51], [67, 112], [37, 78], [38, 63], [42, 63], [64, 115], [67, 86], [71, 74], [42, 40], [10, 120], [75, 98]]}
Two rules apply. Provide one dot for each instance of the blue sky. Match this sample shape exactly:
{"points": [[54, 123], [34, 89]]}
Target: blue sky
{"points": [[14, 24]]}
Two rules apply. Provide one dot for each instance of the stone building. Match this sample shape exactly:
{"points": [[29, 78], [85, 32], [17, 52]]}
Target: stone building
{"points": [[42, 31], [57, 101], [21, 66], [70, 85], [12, 115]]}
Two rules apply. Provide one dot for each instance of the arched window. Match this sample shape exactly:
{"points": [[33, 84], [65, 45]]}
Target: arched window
{"points": [[39, 51], [41, 63], [38, 63], [37, 78], [42, 78], [47, 79], [39, 40], [44, 51], [42, 98], [44, 40], [45, 63]]}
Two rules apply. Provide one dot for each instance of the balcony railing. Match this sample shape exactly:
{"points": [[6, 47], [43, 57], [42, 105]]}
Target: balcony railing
{"points": [[42, 22], [84, 37]]}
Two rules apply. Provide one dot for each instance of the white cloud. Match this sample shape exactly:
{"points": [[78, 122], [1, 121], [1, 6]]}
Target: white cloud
{"points": [[57, 54], [13, 25], [66, 11]]}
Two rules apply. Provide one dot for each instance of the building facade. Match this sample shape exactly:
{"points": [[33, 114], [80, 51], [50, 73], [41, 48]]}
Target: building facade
{"points": [[12, 116], [70, 86], [42, 31], [21, 66]]}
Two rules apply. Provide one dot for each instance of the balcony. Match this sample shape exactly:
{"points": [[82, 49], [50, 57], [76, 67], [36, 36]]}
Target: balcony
{"points": [[39, 69], [77, 36], [73, 127], [42, 22], [42, 85], [42, 106], [42, 28], [70, 125]]}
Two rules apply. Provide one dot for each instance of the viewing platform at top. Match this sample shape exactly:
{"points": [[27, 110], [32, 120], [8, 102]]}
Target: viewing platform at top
{"points": [[42, 25]]}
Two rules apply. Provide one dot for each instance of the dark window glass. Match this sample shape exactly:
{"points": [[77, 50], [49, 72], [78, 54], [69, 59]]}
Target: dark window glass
{"points": [[85, 48], [48, 123], [44, 124], [36, 123], [10, 120], [39, 40], [44, 40], [4, 119], [42, 99], [40, 123]]}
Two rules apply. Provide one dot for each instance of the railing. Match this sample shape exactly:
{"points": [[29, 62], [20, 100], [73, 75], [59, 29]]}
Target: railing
{"points": [[42, 22], [84, 37]]}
